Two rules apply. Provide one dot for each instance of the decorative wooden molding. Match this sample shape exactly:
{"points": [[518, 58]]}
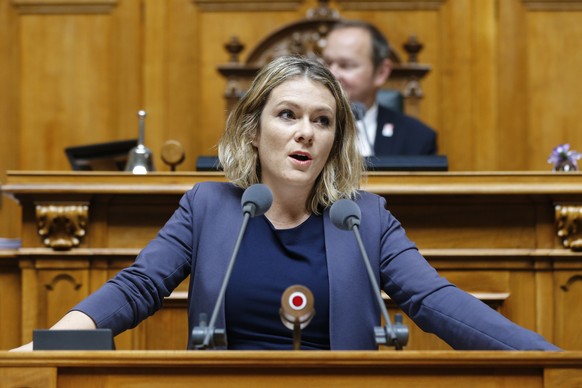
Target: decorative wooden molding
{"points": [[62, 277], [566, 286], [64, 6], [553, 5], [306, 37], [569, 225], [392, 5], [61, 226], [247, 5]]}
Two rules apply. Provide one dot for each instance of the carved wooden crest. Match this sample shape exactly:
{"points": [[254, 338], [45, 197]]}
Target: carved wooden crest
{"points": [[306, 37]]}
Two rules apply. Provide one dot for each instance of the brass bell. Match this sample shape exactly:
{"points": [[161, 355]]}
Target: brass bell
{"points": [[140, 158]]}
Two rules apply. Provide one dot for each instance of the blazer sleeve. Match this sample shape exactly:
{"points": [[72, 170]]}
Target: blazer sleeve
{"points": [[138, 291], [439, 307]]}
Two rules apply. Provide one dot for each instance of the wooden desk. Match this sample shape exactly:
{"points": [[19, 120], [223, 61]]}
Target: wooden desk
{"points": [[512, 239], [291, 369]]}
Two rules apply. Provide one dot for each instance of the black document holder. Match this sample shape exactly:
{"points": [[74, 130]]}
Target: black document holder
{"points": [[99, 339]]}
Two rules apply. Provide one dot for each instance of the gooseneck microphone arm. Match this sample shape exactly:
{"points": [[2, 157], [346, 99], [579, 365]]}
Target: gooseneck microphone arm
{"points": [[210, 330], [389, 329], [256, 200], [346, 214]]}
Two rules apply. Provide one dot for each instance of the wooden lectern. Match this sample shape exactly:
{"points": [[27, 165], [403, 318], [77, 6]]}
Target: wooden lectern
{"points": [[290, 369], [511, 239]]}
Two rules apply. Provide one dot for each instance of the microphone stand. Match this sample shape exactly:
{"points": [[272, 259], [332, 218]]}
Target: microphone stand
{"points": [[296, 315], [207, 336], [386, 334]]}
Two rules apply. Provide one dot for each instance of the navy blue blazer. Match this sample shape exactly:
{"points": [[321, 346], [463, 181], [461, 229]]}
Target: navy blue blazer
{"points": [[199, 238], [407, 135]]}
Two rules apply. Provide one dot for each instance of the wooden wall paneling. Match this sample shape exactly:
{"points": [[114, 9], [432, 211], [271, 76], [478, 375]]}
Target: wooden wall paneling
{"points": [[78, 70], [118, 235], [10, 299], [168, 328], [568, 307], [63, 86], [513, 154], [521, 306], [544, 297], [491, 224], [125, 70], [61, 288], [469, 85], [457, 135], [50, 289], [34, 377], [483, 67], [554, 84], [155, 70], [9, 96], [181, 87]]}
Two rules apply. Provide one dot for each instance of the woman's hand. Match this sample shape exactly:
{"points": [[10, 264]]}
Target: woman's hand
{"points": [[74, 320], [24, 348]]}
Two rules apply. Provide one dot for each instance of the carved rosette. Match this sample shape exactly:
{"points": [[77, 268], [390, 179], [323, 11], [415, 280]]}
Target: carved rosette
{"points": [[61, 226], [569, 226]]}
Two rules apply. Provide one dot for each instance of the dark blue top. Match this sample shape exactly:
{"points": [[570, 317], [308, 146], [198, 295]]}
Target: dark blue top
{"points": [[269, 261]]}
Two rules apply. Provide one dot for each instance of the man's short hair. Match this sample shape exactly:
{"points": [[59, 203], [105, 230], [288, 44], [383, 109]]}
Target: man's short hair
{"points": [[380, 45]]}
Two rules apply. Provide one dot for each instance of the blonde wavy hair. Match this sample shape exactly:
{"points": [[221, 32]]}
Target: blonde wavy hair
{"points": [[342, 173]]}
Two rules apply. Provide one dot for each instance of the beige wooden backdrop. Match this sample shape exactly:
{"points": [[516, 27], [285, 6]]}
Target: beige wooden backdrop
{"points": [[503, 90]]}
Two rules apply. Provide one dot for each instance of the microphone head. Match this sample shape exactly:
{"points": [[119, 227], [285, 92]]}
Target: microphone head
{"points": [[256, 199], [297, 307], [359, 110], [345, 214]]}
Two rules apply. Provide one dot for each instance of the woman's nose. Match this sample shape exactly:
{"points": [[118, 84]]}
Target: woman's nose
{"points": [[305, 131]]}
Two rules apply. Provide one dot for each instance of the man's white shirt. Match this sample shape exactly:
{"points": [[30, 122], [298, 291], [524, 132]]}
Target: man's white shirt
{"points": [[367, 131]]}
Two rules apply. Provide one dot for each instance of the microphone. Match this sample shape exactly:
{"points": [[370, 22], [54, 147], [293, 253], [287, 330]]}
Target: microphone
{"points": [[255, 201], [359, 112], [296, 311], [346, 215]]}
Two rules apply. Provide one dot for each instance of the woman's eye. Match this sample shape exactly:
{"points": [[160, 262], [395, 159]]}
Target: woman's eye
{"points": [[324, 120], [286, 114]]}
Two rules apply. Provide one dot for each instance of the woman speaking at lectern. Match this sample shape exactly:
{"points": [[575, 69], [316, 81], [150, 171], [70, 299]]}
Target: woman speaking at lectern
{"points": [[294, 132]]}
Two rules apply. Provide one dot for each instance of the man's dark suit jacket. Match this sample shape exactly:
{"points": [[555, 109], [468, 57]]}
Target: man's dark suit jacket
{"points": [[409, 136]]}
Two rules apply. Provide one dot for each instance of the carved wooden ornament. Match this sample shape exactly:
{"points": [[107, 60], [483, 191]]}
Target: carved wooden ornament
{"points": [[569, 226], [62, 225]]}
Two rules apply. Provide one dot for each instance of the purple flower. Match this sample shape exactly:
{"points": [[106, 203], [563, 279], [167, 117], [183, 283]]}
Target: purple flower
{"points": [[562, 154]]}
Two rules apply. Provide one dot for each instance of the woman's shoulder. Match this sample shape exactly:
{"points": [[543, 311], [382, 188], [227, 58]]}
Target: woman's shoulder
{"points": [[215, 191], [372, 205], [367, 198]]}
